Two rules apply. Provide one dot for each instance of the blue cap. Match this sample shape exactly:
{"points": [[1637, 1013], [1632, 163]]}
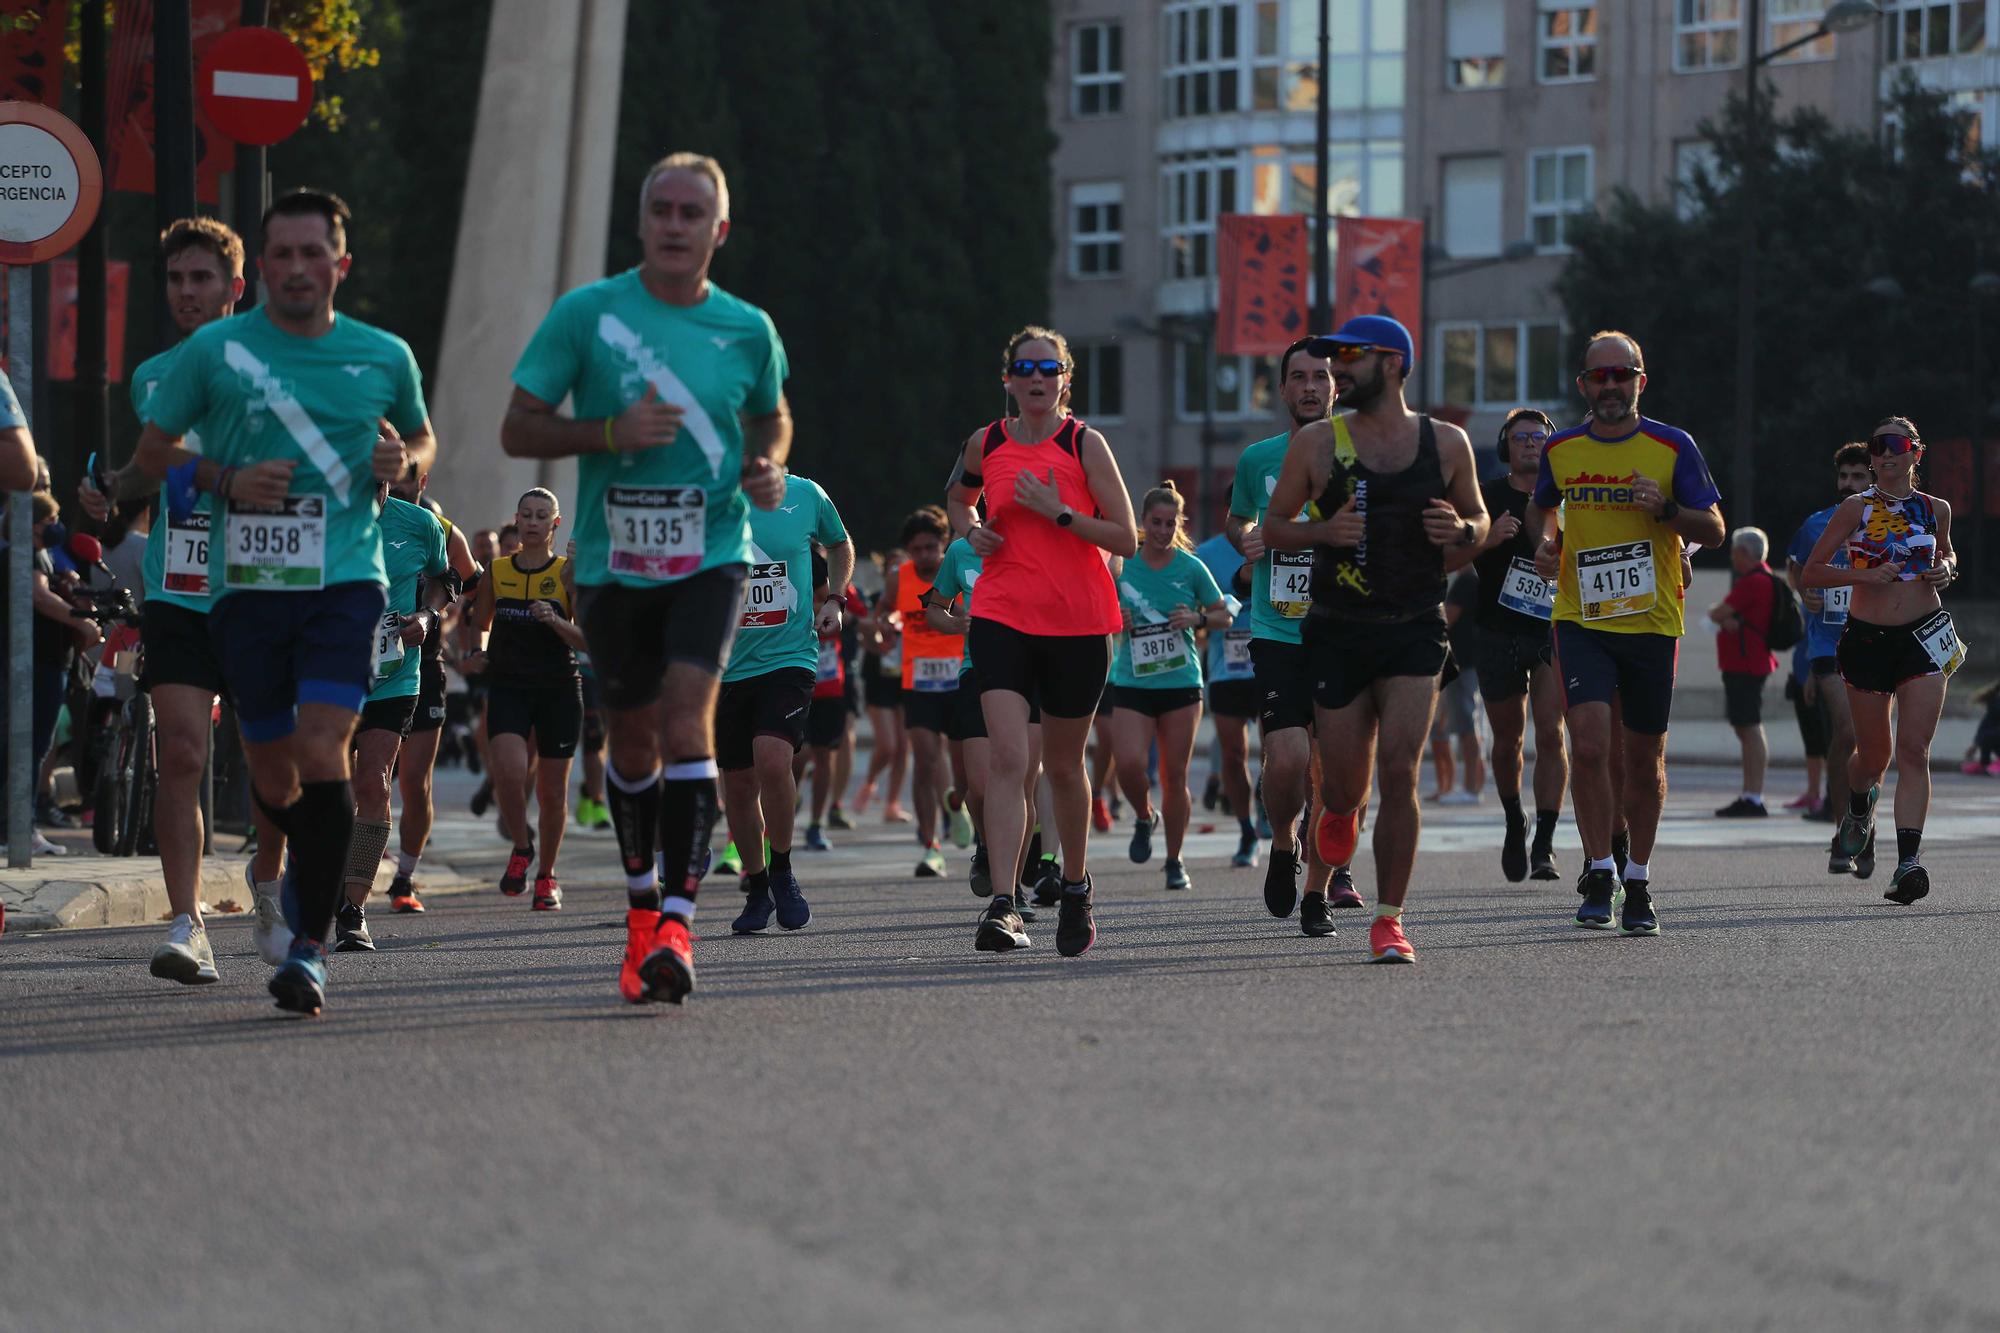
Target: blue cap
{"points": [[1377, 331]]}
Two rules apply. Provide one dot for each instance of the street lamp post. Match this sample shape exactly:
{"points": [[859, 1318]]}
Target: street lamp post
{"points": [[1322, 154]]}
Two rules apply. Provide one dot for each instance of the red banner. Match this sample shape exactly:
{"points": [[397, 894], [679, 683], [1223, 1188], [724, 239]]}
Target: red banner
{"points": [[1263, 268], [63, 308], [131, 166], [1381, 272], [31, 51]]}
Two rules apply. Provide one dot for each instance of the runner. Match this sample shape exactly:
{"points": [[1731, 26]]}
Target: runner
{"points": [[1232, 693], [1394, 488], [1516, 606], [298, 406], [1632, 492], [591, 811], [1900, 645], [678, 390], [1826, 619], [413, 551], [1047, 606], [882, 689], [830, 720], [1164, 594], [930, 684], [760, 719]]}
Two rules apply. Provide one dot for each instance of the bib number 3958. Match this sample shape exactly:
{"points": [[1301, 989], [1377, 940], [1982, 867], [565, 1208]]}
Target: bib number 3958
{"points": [[657, 532], [277, 550]]}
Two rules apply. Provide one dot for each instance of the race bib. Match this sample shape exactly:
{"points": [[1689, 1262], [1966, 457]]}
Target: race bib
{"points": [[1939, 637], [388, 645], [829, 662], [277, 551], [1833, 605], [768, 597], [187, 555], [1291, 583], [1157, 650], [1236, 652], [932, 675], [1526, 592], [1613, 581], [657, 532]]}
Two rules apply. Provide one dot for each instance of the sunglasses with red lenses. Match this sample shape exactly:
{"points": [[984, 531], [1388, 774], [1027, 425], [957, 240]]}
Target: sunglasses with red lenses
{"points": [[1611, 374], [1893, 444]]}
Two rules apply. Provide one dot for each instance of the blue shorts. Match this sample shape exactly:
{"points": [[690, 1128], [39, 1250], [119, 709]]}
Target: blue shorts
{"points": [[283, 649], [1595, 664]]}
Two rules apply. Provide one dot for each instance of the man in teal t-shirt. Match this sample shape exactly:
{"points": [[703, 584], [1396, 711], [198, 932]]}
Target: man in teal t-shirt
{"points": [[291, 399], [1232, 694], [760, 716], [678, 415]]}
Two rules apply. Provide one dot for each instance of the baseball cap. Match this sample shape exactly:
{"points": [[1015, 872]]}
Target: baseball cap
{"points": [[1370, 331]]}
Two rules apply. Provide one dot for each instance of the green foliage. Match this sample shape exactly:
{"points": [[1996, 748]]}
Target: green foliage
{"points": [[888, 171], [1844, 221]]}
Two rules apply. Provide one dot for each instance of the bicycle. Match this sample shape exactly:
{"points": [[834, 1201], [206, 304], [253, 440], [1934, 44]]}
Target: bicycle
{"points": [[124, 744]]}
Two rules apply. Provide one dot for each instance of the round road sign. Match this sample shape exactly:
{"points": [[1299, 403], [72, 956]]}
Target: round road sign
{"points": [[254, 85], [50, 183]]}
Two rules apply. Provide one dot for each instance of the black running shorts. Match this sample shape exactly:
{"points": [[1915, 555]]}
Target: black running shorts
{"points": [[552, 714], [1284, 684], [773, 704], [178, 650], [389, 715], [1064, 673], [634, 633], [1347, 656], [1155, 703]]}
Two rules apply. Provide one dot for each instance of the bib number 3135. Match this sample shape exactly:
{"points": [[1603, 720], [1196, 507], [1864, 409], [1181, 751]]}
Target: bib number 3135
{"points": [[657, 532]]}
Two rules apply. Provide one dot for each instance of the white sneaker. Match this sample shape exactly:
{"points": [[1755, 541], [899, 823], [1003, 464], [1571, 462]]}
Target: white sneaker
{"points": [[185, 956], [272, 936], [1459, 796], [960, 820]]}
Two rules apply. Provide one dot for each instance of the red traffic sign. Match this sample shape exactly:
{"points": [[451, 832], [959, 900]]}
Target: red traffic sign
{"points": [[50, 183], [254, 85]]}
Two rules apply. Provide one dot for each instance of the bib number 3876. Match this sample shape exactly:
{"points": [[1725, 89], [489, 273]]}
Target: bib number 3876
{"points": [[657, 532], [1157, 650]]}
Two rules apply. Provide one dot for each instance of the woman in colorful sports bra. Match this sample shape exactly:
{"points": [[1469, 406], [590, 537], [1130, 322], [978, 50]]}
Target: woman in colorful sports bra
{"points": [[1041, 632], [1900, 644]]}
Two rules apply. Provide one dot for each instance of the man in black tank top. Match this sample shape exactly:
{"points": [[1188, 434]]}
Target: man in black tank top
{"points": [[1391, 490]]}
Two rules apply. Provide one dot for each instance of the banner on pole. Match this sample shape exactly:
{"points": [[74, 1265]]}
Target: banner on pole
{"points": [[63, 306], [1263, 270], [31, 51], [1380, 271]]}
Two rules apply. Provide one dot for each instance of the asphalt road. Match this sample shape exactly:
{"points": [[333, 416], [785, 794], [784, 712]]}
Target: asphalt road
{"points": [[1778, 1114]]}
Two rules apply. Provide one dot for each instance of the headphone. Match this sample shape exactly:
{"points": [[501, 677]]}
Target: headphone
{"points": [[1500, 442]]}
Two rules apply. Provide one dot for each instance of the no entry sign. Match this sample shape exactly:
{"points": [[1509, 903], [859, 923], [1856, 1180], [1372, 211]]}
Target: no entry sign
{"points": [[50, 183], [254, 85]]}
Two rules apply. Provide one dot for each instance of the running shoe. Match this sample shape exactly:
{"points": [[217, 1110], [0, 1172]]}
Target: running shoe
{"points": [[1246, 851], [1076, 928], [794, 913], [1100, 814], [1971, 767], [1600, 890], [961, 820], [350, 930], [1000, 928], [1837, 861], [1542, 864], [1315, 916], [816, 840], [1993, 768], [1211, 792], [514, 879], [1337, 835], [1341, 893], [185, 955], [1910, 882], [1387, 943], [1048, 882], [1281, 883], [1636, 916], [592, 814], [668, 971], [731, 861], [1864, 860], [1743, 808], [641, 924], [1805, 800], [269, 932], [1514, 851], [482, 800], [981, 877], [1177, 875], [548, 894], [758, 906], [836, 818], [1857, 830], [1141, 850], [299, 984], [931, 864], [1621, 850], [1023, 905], [1459, 796], [403, 895], [893, 813]]}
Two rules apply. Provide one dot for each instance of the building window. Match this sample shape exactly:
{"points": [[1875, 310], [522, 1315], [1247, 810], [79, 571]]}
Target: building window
{"points": [[1236, 388], [1097, 69], [1693, 158], [1472, 206], [1708, 34], [1096, 230], [1098, 389], [1922, 29], [1222, 58], [1500, 365], [1558, 189], [1789, 20], [1196, 189], [1568, 34], [1475, 44]]}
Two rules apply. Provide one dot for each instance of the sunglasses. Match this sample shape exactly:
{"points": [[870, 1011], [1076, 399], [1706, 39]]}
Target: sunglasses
{"points": [[1611, 374], [1893, 444], [1525, 436], [1021, 370]]}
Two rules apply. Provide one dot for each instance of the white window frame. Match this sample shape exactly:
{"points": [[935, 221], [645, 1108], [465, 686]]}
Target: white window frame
{"points": [[1188, 354], [1804, 17], [1108, 80], [1089, 362], [1896, 16], [1577, 43], [1483, 53], [1212, 183], [1110, 241], [1521, 396], [1561, 209], [1696, 18], [1451, 219]]}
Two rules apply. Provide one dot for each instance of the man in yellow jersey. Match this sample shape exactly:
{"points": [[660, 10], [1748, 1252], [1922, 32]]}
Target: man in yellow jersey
{"points": [[1631, 491]]}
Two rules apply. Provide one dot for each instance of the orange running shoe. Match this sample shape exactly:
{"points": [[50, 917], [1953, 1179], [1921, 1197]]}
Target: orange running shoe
{"points": [[548, 895], [403, 895], [1336, 836], [1100, 814], [1388, 943], [641, 924], [668, 971]]}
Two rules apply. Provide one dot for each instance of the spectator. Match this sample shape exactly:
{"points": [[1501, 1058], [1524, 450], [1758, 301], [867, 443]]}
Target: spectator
{"points": [[1457, 710], [1742, 647], [1809, 705]]}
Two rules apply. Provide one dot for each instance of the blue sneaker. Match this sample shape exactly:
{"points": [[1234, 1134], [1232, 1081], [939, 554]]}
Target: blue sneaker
{"points": [[1637, 916], [299, 985], [793, 910], [1600, 890], [1141, 850], [816, 840], [757, 908]]}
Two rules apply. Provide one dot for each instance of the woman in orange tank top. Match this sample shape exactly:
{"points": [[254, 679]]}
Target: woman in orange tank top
{"points": [[930, 678], [1056, 509]]}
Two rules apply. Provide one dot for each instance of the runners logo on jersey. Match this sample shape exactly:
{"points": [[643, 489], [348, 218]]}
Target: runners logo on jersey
{"points": [[645, 366], [1594, 488], [267, 394]]}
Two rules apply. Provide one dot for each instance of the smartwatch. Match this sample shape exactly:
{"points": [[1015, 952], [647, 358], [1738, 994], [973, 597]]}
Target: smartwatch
{"points": [[1467, 533], [1668, 510], [1066, 517]]}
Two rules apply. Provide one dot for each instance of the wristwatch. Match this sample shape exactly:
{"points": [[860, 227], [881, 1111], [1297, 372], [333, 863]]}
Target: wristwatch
{"points": [[1066, 517], [1668, 510], [1467, 533]]}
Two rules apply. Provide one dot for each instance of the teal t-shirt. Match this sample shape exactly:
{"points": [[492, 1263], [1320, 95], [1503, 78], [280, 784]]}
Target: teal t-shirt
{"points": [[658, 515], [957, 572], [1229, 649], [10, 406], [412, 547], [260, 393], [1288, 573], [1152, 656], [775, 630], [181, 542]]}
